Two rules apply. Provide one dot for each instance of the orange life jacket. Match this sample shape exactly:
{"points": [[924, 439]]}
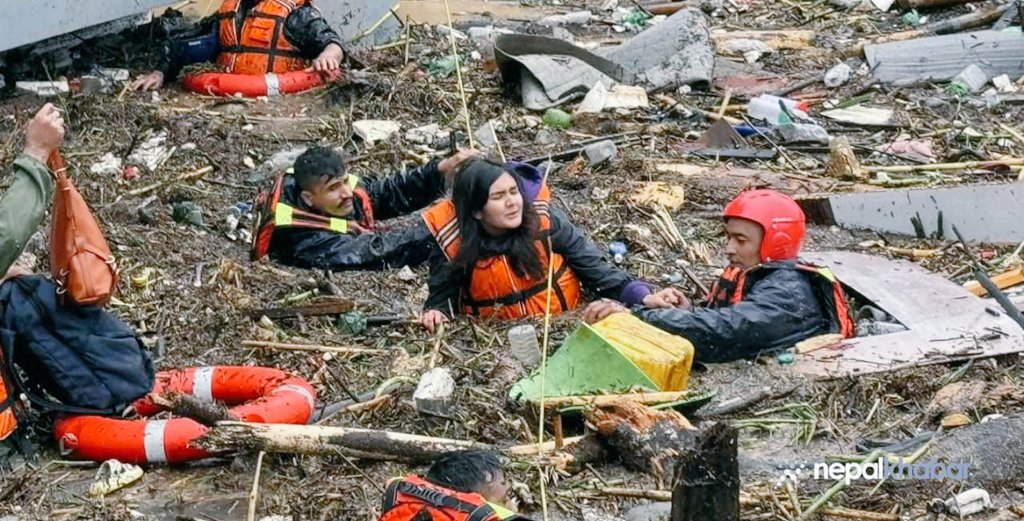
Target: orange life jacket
{"points": [[261, 46], [272, 213], [494, 289], [415, 499], [8, 397], [728, 290]]}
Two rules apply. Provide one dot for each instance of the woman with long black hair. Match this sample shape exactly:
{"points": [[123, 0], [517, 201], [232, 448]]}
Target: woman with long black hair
{"points": [[494, 240]]}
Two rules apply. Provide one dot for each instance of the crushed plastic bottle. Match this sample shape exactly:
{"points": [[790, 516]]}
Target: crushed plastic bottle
{"points": [[770, 109], [969, 81], [522, 341], [837, 75], [556, 118]]}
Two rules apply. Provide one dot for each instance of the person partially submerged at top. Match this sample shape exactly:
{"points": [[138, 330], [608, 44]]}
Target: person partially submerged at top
{"points": [[323, 217], [253, 37], [492, 244], [767, 298]]}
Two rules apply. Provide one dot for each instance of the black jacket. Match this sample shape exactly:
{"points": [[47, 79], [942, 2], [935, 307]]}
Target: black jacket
{"points": [[304, 28], [780, 307], [389, 197], [594, 272]]}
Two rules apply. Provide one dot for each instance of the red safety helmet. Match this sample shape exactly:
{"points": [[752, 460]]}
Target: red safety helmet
{"points": [[779, 216]]}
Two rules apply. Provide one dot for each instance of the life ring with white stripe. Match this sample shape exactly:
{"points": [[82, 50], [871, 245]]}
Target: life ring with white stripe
{"points": [[258, 394], [254, 85]]}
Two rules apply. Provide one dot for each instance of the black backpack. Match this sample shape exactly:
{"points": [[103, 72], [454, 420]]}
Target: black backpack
{"points": [[71, 359]]}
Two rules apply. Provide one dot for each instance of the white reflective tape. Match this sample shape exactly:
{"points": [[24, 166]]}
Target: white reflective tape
{"points": [[273, 85], [153, 440], [202, 384], [298, 389]]}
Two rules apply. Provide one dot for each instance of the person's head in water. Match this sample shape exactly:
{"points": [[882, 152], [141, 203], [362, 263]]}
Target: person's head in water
{"points": [[320, 174], [476, 471], [489, 204], [762, 226]]}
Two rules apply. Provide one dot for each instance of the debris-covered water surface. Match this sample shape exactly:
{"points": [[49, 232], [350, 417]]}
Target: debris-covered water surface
{"points": [[169, 176]]}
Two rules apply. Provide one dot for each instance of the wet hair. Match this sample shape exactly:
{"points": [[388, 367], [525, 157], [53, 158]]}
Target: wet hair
{"points": [[464, 470], [318, 165], [470, 194]]}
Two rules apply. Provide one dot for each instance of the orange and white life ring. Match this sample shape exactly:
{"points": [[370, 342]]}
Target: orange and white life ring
{"points": [[252, 85], [259, 394]]}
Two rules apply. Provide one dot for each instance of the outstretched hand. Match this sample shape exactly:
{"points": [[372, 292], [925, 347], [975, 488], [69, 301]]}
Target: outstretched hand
{"points": [[151, 81], [448, 165], [329, 59], [45, 133], [431, 319], [601, 309], [667, 298]]}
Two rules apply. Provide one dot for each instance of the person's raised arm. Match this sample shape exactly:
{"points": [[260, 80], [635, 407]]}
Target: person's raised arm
{"points": [[30, 186]]}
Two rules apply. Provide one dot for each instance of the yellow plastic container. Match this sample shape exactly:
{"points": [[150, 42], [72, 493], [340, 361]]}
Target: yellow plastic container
{"points": [[665, 358]]}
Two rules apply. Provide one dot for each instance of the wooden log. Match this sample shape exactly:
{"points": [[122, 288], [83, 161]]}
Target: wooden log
{"points": [[321, 440], [778, 40], [600, 400], [1002, 280], [188, 406], [966, 165], [707, 479], [951, 25], [328, 305], [646, 439]]}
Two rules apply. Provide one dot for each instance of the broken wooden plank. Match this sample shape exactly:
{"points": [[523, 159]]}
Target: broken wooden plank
{"points": [[1006, 279], [316, 439], [318, 307], [778, 40]]}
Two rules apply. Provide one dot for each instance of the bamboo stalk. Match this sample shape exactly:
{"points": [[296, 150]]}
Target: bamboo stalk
{"points": [[944, 166], [600, 400], [849, 513], [307, 347], [654, 495], [533, 449], [255, 492], [458, 76], [188, 176]]}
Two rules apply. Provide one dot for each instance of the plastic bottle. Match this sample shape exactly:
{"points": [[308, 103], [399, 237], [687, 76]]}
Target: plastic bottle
{"points": [[522, 341], [618, 251], [766, 107], [970, 80]]}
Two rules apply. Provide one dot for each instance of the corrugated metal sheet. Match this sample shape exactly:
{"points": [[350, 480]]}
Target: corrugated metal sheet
{"points": [[942, 57]]}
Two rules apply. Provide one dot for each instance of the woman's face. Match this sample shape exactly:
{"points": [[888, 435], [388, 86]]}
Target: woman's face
{"points": [[504, 208]]}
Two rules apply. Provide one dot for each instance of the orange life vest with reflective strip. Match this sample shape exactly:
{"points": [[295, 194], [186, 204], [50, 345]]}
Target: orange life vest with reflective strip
{"points": [[8, 420], [272, 213], [728, 290], [494, 289], [415, 499], [260, 47]]}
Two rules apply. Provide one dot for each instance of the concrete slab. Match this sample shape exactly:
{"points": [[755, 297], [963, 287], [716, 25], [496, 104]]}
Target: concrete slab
{"points": [[989, 213], [42, 19]]}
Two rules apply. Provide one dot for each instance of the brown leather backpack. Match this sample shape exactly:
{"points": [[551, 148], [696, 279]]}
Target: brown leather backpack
{"points": [[80, 260]]}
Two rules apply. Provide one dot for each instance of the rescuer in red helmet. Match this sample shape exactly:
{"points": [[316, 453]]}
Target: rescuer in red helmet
{"points": [[766, 299]]}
